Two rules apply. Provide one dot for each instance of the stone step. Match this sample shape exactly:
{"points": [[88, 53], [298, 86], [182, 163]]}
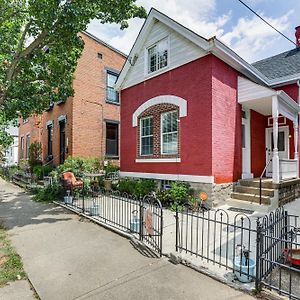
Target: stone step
{"points": [[250, 198], [253, 190], [266, 183]]}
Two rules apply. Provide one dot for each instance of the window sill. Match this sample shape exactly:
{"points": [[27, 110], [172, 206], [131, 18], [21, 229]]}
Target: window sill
{"points": [[158, 160], [111, 157], [114, 103]]}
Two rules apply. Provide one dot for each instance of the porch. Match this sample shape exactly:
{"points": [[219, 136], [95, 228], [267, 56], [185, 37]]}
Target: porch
{"points": [[279, 114]]}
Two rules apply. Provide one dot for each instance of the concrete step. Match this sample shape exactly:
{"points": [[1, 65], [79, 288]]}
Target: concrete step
{"points": [[250, 198], [260, 210], [266, 183], [253, 190]]}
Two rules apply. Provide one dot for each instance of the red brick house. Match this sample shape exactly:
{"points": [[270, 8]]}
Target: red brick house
{"points": [[193, 110], [87, 124]]}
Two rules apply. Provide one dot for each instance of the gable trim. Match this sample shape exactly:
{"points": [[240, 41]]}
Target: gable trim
{"points": [[170, 99]]}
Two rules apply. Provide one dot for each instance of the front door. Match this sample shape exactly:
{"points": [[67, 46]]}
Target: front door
{"points": [[246, 162], [62, 141], [283, 146]]}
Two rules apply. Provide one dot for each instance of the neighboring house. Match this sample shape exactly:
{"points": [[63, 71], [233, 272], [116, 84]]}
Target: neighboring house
{"points": [[87, 124], [11, 153], [194, 111]]}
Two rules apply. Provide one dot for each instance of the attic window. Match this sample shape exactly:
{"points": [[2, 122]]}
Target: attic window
{"points": [[158, 56]]}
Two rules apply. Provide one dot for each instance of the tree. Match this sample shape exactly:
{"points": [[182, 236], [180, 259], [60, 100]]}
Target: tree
{"points": [[40, 46]]}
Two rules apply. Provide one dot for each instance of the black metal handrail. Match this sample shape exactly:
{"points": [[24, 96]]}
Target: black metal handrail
{"points": [[260, 178]]}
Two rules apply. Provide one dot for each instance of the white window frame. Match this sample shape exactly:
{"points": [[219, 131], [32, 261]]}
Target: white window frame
{"points": [[150, 117], [147, 73], [161, 133]]}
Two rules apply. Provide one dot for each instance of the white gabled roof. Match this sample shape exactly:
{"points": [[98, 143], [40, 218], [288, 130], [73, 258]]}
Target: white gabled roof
{"points": [[212, 45]]}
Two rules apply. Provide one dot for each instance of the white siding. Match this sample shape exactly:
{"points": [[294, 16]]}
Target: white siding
{"points": [[182, 51]]}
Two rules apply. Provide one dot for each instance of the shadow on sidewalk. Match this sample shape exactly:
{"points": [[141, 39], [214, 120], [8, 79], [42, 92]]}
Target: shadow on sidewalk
{"points": [[17, 209]]}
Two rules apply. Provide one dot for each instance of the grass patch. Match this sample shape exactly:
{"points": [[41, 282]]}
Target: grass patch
{"points": [[11, 266]]}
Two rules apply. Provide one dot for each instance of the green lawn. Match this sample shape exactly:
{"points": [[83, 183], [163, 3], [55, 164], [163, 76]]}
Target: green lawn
{"points": [[11, 266]]}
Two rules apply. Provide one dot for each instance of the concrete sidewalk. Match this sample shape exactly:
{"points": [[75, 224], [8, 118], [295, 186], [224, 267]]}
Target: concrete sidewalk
{"points": [[66, 257]]}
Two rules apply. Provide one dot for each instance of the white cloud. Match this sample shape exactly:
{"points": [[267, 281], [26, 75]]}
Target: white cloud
{"points": [[198, 15], [251, 37]]}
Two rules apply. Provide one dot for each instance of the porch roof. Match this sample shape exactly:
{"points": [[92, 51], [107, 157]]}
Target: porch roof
{"points": [[259, 98]]}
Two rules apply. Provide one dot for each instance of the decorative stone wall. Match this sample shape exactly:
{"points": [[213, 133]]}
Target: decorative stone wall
{"points": [[288, 193]]}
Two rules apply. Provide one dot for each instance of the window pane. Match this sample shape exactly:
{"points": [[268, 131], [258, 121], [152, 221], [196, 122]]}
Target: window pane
{"points": [[146, 142], [170, 133], [243, 136], [281, 141], [158, 56], [112, 94], [112, 139]]}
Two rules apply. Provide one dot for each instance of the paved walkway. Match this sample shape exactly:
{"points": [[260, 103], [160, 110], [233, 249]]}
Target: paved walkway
{"points": [[66, 257]]}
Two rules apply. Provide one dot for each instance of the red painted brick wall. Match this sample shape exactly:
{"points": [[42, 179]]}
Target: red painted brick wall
{"points": [[192, 82], [226, 124]]}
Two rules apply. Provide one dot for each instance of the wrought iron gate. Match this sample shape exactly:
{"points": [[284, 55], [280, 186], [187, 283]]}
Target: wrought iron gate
{"points": [[152, 223]]}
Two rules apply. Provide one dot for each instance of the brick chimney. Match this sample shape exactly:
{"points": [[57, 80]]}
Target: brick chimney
{"points": [[297, 35]]}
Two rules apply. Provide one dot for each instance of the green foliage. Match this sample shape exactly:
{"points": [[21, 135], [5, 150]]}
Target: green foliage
{"points": [[49, 193], [40, 47], [8, 172], [137, 187], [35, 155], [79, 165], [41, 171], [179, 192], [110, 167], [11, 266], [177, 195]]}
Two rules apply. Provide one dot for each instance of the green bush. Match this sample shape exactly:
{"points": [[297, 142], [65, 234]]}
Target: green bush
{"points": [[50, 193], [35, 155], [41, 171], [79, 165], [136, 187], [177, 195], [110, 168]]}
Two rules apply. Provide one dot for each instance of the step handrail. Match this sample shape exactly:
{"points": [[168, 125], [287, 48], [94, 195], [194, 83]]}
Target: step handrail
{"points": [[260, 178]]}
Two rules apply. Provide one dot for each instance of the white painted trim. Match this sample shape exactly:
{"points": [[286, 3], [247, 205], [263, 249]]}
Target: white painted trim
{"points": [[246, 152], [170, 99], [174, 177], [140, 137], [158, 160]]}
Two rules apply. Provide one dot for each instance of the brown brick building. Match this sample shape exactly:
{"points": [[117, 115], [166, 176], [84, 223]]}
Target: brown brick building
{"points": [[87, 124]]}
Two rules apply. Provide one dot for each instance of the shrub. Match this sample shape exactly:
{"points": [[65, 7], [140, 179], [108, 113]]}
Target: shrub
{"points": [[136, 187], [179, 192], [35, 155], [50, 193], [41, 171], [79, 165], [110, 167]]}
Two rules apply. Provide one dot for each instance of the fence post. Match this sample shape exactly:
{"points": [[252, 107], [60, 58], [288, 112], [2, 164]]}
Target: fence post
{"points": [[286, 229], [177, 225], [141, 219], [258, 255], [83, 197]]}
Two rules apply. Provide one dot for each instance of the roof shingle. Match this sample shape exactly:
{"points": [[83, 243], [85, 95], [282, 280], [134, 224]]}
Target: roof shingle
{"points": [[281, 65]]}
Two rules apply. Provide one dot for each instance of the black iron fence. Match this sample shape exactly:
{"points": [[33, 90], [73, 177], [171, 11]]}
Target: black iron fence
{"points": [[142, 217], [263, 250]]}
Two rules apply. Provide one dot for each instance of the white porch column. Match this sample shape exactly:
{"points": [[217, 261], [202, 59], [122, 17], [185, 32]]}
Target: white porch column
{"points": [[275, 158], [296, 155]]}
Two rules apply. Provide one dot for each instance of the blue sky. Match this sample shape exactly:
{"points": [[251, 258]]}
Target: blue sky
{"points": [[229, 20]]}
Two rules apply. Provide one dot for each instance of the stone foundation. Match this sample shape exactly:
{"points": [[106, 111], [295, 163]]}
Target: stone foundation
{"points": [[288, 191]]}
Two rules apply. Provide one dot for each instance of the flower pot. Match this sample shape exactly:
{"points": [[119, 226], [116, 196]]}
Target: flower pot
{"points": [[241, 269], [107, 184], [94, 210], [68, 199], [135, 225]]}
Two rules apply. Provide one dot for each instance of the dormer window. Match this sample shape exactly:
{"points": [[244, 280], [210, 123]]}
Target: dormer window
{"points": [[158, 56]]}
